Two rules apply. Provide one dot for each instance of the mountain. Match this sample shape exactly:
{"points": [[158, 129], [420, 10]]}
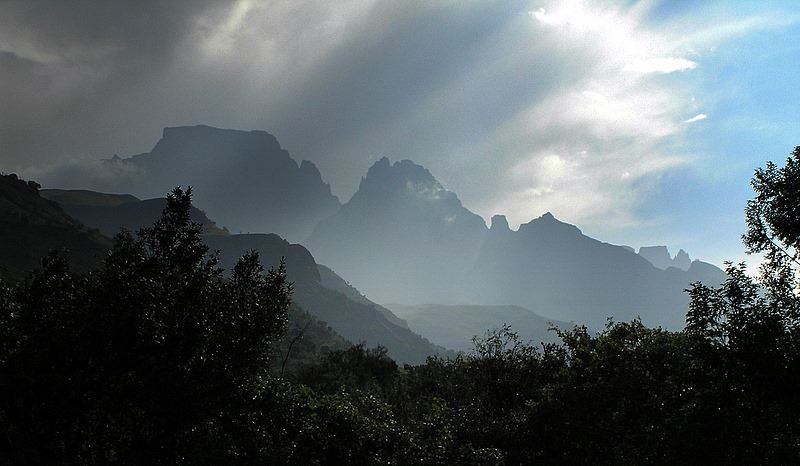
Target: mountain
{"points": [[31, 226], [404, 238], [244, 179], [659, 256], [454, 326], [110, 212], [399, 235], [356, 319]]}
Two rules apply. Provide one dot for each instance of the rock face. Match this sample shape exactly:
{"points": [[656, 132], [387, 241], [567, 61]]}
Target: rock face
{"points": [[659, 256], [244, 179]]}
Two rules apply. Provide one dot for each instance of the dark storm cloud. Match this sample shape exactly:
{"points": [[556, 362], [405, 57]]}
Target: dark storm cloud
{"points": [[64, 64], [536, 101]]}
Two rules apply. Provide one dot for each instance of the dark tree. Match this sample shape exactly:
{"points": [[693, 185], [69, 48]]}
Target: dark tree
{"points": [[150, 359]]}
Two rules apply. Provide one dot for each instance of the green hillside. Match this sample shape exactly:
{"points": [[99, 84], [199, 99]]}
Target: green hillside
{"points": [[31, 227]]}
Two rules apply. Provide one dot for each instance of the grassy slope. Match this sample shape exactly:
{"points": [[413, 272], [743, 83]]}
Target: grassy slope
{"points": [[31, 227]]}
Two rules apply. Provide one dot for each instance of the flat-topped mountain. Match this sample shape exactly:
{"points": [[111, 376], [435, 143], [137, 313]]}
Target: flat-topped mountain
{"points": [[244, 179]]}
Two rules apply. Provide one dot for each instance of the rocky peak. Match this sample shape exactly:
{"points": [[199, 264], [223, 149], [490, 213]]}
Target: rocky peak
{"points": [[403, 179], [660, 257], [548, 225], [682, 260], [499, 224]]}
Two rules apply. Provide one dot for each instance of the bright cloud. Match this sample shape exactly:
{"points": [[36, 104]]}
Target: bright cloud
{"points": [[592, 147], [698, 117], [661, 65]]}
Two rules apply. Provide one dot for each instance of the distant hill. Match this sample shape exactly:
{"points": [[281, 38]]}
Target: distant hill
{"points": [[110, 212], [454, 326], [404, 238], [355, 318], [31, 226], [244, 179]]}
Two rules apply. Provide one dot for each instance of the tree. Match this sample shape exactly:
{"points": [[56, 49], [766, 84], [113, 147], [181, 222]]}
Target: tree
{"points": [[748, 330], [773, 220], [150, 359]]}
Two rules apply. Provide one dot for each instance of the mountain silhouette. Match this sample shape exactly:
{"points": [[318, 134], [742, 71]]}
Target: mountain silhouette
{"points": [[110, 212], [552, 268], [404, 238], [659, 256], [401, 237], [244, 179]]}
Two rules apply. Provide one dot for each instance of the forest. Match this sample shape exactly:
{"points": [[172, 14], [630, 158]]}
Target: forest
{"points": [[157, 356]]}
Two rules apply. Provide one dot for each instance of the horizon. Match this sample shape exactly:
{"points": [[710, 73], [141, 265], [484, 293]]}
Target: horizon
{"points": [[639, 122]]}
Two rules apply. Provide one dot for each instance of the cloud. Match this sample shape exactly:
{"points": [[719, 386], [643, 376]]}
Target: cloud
{"points": [[698, 117], [571, 106], [661, 65]]}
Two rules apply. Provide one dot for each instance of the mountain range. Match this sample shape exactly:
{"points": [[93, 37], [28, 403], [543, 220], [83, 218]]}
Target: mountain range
{"points": [[404, 238], [401, 238]]}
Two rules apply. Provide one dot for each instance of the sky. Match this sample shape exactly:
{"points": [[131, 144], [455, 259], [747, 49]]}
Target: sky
{"points": [[640, 122]]}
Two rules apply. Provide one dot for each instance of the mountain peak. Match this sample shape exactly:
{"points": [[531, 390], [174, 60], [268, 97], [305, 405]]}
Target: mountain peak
{"points": [[403, 177], [660, 257], [548, 224], [499, 223], [405, 169]]}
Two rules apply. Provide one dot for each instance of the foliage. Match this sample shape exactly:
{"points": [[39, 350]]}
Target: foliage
{"points": [[141, 359]]}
